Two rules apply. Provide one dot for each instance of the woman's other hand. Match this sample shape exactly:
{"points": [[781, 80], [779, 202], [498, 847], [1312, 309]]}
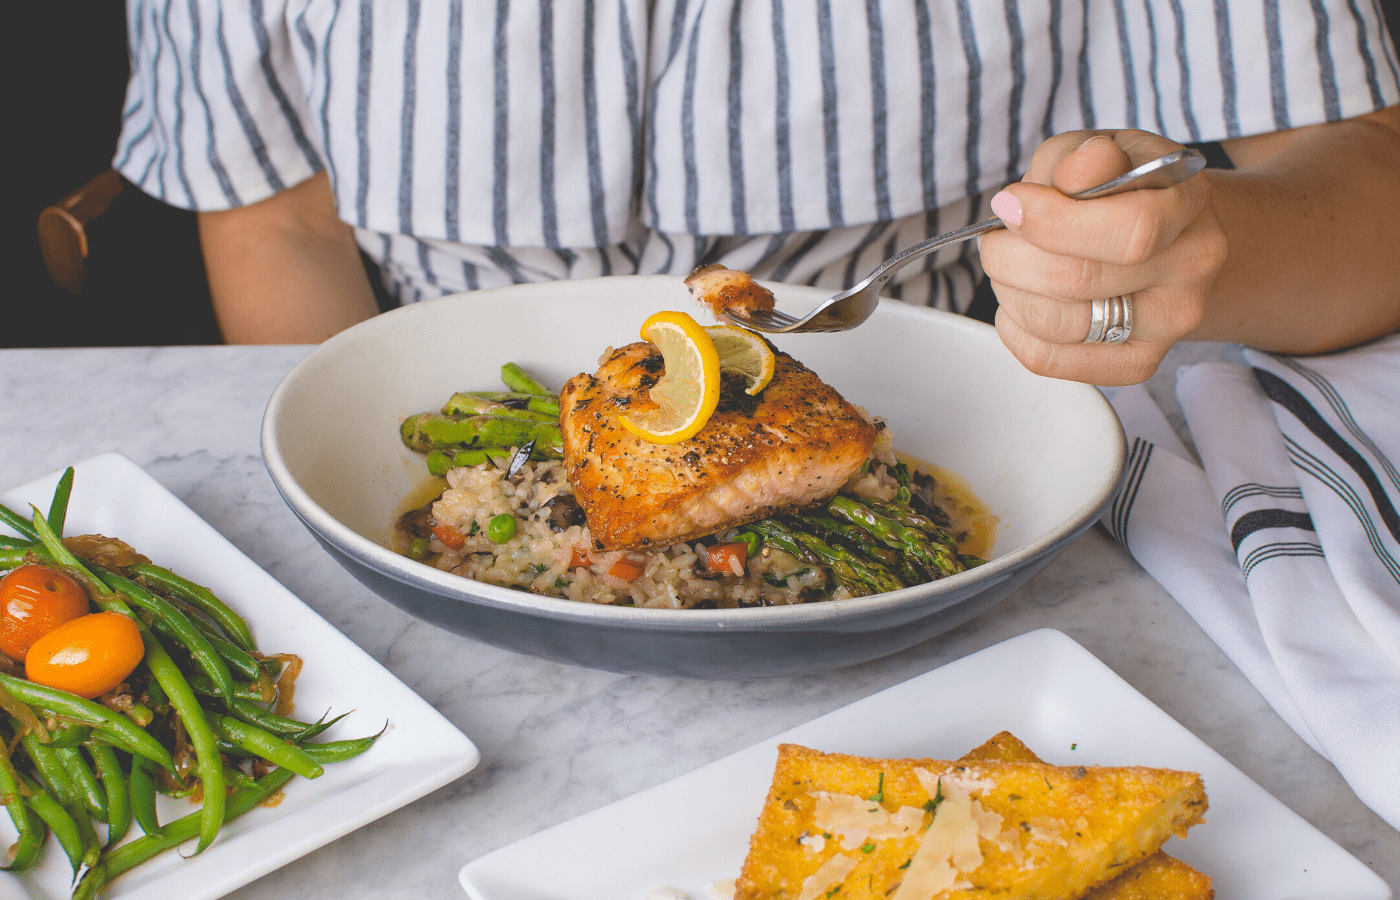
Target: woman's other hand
{"points": [[1162, 248]]}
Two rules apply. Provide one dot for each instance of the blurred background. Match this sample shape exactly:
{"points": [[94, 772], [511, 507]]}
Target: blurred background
{"points": [[142, 282]]}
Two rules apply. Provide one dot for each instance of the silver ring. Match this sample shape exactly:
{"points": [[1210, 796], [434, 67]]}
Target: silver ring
{"points": [[1110, 320]]}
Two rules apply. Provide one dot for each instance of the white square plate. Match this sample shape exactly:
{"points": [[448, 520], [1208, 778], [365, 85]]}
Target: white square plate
{"points": [[1050, 692], [418, 752]]}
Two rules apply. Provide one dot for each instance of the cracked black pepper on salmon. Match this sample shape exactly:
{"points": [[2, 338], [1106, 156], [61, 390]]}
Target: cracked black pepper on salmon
{"points": [[792, 447]]}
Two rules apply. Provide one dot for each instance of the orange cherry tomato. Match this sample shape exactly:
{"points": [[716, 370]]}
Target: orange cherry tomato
{"points": [[35, 600], [87, 656]]}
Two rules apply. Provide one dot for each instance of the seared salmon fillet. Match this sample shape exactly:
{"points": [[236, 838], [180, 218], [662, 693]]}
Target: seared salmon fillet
{"points": [[794, 444]]}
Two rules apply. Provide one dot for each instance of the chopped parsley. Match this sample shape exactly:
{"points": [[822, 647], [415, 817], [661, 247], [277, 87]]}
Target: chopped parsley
{"points": [[932, 805], [867, 847], [879, 794]]}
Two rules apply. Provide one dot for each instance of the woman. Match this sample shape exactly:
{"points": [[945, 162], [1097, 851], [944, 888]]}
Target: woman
{"points": [[461, 147]]}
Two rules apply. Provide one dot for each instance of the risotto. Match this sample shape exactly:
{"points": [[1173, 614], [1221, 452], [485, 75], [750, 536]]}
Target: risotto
{"points": [[551, 552]]}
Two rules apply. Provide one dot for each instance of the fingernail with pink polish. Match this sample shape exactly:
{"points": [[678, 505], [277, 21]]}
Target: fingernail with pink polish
{"points": [[1007, 208]]}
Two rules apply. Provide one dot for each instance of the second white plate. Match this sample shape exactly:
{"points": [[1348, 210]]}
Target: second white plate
{"points": [[692, 832], [419, 751]]}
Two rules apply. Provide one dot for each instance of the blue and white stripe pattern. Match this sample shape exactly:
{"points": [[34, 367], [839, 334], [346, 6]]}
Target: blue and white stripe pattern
{"points": [[476, 143]]}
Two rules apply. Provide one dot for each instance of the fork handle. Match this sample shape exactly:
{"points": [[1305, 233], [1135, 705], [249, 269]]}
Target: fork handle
{"points": [[1165, 171], [886, 270]]}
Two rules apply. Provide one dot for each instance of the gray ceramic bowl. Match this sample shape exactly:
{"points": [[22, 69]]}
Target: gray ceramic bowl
{"points": [[1045, 455]]}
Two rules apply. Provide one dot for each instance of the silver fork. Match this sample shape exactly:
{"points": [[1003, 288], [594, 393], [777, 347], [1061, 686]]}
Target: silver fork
{"points": [[849, 308]]}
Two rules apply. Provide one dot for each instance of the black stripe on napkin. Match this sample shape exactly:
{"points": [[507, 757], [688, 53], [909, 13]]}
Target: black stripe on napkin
{"points": [[1260, 519], [1274, 551], [1138, 458], [1284, 394], [1254, 489]]}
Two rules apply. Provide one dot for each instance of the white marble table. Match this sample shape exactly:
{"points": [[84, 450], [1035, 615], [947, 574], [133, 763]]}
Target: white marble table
{"points": [[577, 739]]}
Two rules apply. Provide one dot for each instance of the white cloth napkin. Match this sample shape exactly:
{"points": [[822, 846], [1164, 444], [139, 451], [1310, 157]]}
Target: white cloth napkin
{"points": [[1285, 544]]}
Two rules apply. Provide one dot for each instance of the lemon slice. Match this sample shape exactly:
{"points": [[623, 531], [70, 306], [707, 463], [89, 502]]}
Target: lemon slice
{"points": [[688, 392], [744, 352]]}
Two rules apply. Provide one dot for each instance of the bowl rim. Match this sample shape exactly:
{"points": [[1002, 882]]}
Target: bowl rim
{"points": [[400, 568]]}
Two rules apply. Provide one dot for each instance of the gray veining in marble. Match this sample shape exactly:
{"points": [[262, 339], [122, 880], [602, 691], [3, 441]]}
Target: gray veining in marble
{"points": [[577, 738]]}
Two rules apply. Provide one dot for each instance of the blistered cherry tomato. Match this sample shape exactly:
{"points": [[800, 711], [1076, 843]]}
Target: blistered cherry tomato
{"points": [[35, 600], [87, 656]]}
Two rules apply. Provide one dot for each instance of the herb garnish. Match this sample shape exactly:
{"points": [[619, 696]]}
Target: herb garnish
{"points": [[879, 794]]}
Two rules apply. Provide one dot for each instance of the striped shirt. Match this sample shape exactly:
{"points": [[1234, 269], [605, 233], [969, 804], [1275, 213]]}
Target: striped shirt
{"points": [[474, 144]]}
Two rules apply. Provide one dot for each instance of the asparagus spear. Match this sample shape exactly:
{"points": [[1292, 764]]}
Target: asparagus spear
{"points": [[861, 577], [507, 403], [469, 404], [517, 379], [864, 542], [940, 559], [430, 431]]}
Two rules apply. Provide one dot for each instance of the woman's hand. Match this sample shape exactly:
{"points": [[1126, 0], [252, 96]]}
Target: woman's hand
{"points": [[1161, 248]]}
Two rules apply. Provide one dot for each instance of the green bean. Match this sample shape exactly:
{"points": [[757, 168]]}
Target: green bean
{"points": [[517, 379], [29, 846], [58, 507], [142, 785], [311, 731], [501, 528], [242, 690], [8, 543], [200, 648], [62, 791], [86, 788], [201, 598], [339, 751], [68, 735], [254, 714], [59, 820], [237, 778], [31, 832], [201, 735], [92, 847], [50, 768], [126, 733], [267, 745], [109, 771], [155, 696], [18, 523], [139, 713], [124, 858], [236, 658], [230, 751]]}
